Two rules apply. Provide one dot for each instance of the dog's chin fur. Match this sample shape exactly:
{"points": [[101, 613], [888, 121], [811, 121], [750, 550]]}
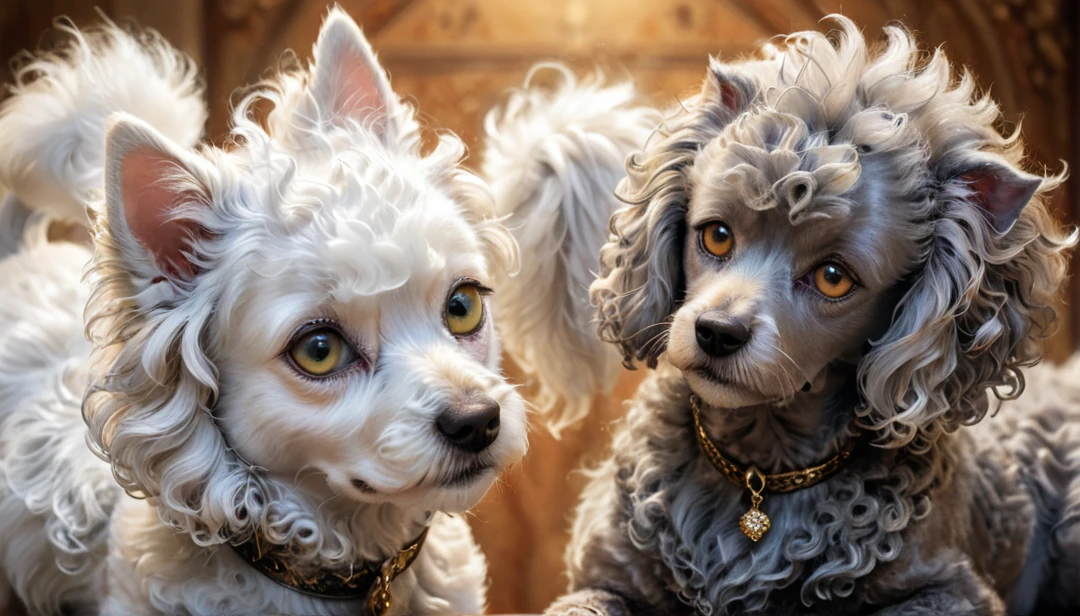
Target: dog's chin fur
{"points": [[194, 404], [718, 392], [885, 162]]}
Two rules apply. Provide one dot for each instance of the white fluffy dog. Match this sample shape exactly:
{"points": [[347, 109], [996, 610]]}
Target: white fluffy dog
{"points": [[291, 371]]}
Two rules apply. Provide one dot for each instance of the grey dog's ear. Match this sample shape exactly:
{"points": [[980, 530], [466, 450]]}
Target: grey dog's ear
{"points": [[1001, 190], [976, 313], [641, 275], [728, 91], [641, 278]]}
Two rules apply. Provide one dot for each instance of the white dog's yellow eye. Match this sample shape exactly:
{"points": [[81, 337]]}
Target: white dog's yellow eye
{"points": [[464, 310], [833, 281], [717, 239], [320, 353]]}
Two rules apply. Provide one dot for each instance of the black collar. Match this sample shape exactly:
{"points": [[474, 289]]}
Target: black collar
{"points": [[370, 582]]}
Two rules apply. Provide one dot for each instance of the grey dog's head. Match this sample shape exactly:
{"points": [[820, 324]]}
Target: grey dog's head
{"points": [[833, 209]]}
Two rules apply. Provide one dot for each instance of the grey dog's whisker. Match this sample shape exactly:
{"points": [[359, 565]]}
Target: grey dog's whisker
{"points": [[793, 362], [664, 323]]}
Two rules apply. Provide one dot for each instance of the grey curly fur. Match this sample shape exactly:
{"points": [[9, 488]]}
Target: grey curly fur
{"points": [[926, 518]]}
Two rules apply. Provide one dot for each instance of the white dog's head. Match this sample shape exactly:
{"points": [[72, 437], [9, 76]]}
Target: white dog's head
{"points": [[305, 314]]}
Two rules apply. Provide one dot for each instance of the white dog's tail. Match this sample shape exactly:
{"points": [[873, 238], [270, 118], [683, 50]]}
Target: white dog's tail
{"points": [[52, 127], [553, 157]]}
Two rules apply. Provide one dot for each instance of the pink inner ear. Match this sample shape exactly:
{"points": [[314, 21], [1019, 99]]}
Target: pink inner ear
{"points": [[729, 96], [1003, 195], [357, 92], [148, 204], [982, 184]]}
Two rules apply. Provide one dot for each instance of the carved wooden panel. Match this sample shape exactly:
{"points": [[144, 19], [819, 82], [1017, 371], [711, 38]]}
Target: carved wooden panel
{"points": [[456, 57]]}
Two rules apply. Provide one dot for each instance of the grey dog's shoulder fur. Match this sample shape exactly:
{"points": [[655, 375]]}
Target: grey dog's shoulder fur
{"points": [[1033, 441], [657, 524]]}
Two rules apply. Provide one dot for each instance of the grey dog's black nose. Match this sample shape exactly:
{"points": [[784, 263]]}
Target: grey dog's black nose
{"points": [[471, 425], [720, 335]]}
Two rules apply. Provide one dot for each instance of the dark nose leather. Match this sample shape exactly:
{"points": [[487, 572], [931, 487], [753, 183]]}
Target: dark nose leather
{"points": [[471, 425], [720, 335]]}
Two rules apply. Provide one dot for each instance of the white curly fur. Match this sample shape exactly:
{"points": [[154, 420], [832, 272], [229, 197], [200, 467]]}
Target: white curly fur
{"points": [[553, 156], [55, 495], [206, 266], [53, 123]]}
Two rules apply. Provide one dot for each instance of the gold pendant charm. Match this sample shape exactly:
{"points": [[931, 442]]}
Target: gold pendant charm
{"points": [[755, 523]]}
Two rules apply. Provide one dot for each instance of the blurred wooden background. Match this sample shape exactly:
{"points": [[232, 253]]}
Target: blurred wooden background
{"points": [[455, 58]]}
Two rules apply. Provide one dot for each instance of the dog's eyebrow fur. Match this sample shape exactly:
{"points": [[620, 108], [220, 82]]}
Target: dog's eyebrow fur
{"points": [[773, 159]]}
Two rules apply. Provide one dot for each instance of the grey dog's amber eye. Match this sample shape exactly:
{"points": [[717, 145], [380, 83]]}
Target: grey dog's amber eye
{"points": [[717, 239], [833, 281]]}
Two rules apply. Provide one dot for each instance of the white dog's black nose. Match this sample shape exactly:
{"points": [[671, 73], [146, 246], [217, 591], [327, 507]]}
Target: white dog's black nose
{"points": [[720, 335], [471, 425]]}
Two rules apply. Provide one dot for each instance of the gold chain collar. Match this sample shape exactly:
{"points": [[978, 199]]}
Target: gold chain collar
{"points": [[755, 523], [370, 583]]}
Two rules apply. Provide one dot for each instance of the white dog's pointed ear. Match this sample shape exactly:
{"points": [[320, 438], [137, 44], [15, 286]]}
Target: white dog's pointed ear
{"points": [[154, 200], [349, 84], [1000, 189]]}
